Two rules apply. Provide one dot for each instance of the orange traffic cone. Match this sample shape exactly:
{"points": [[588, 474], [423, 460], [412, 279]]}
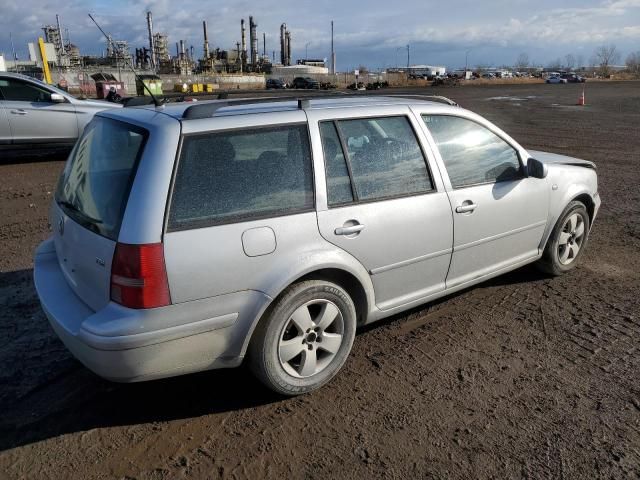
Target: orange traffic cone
{"points": [[581, 99]]}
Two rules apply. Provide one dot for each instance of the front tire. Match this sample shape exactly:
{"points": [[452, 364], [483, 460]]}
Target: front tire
{"points": [[567, 242], [305, 338]]}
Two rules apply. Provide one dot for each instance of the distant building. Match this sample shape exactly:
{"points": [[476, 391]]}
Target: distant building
{"points": [[161, 47], [298, 70], [52, 35], [312, 62], [428, 70], [73, 54]]}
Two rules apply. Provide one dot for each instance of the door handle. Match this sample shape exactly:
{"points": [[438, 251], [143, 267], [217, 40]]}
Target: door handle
{"points": [[19, 112], [466, 207], [350, 230]]}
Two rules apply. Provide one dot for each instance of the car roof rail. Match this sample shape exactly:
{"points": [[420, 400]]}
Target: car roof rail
{"points": [[432, 98], [207, 110]]}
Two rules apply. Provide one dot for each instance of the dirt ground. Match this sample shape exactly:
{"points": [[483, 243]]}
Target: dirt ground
{"points": [[522, 377]]}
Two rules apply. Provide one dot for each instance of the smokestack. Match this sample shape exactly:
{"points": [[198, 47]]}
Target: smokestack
{"points": [[333, 53], [253, 38], [152, 50], [283, 53], [61, 46], [287, 38], [177, 51], [181, 49], [244, 42], [264, 44], [206, 40], [239, 59]]}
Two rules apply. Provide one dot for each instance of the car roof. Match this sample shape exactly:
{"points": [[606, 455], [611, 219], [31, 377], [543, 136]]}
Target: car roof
{"points": [[272, 105], [20, 76]]}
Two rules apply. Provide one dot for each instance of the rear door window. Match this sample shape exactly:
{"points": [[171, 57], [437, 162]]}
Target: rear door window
{"points": [[383, 160], [94, 186], [239, 175]]}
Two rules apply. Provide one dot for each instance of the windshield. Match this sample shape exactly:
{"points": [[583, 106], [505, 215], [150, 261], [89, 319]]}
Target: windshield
{"points": [[94, 186]]}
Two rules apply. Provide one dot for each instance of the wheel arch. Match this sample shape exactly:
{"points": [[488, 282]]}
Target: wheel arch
{"points": [[355, 284], [584, 198]]}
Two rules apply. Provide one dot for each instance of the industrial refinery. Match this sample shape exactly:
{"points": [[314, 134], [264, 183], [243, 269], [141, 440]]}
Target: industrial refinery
{"points": [[247, 56]]}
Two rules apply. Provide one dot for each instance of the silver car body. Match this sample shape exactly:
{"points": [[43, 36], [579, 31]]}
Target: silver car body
{"points": [[44, 123], [412, 249]]}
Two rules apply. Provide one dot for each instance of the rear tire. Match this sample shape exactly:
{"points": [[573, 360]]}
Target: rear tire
{"points": [[305, 338], [567, 242]]}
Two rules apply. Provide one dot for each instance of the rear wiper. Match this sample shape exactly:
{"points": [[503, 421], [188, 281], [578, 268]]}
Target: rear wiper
{"points": [[73, 208]]}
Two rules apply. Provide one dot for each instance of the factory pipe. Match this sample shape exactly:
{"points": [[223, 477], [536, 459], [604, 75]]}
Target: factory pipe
{"points": [[152, 50], [206, 40], [253, 40]]}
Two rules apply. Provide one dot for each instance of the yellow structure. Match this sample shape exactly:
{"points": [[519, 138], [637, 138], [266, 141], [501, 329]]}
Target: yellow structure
{"points": [[45, 62]]}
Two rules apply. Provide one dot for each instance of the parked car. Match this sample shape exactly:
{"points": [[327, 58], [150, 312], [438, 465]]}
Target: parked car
{"points": [[275, 83], [556, 79], [573, 78], [35, 114], [306, 83], [210, 235]]}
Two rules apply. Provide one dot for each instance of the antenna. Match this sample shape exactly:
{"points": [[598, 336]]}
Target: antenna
{"points": [[156, 102]]}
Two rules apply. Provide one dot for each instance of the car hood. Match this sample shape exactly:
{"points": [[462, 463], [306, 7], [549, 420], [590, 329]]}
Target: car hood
{"points": [[554, 158]]}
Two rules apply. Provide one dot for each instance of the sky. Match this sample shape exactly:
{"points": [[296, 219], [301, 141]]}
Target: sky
{"points": [[373, 33]]}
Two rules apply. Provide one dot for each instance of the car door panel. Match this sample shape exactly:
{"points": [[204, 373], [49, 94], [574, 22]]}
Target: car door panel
{"points": [[504, 228], [405, 244], [42, 122]]}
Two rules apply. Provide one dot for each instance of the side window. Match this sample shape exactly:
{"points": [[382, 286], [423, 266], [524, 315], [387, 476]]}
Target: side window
{"points": [[338, 182], [383, 158], [240, 175], [472, 153], [16, 90]]}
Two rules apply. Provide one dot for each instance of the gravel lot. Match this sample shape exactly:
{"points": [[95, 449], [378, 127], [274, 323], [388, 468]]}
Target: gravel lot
{"points": [[522, 377]]}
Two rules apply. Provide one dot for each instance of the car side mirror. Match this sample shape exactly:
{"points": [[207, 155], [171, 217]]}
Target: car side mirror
{"points": [[57, 98], [536, 169]]}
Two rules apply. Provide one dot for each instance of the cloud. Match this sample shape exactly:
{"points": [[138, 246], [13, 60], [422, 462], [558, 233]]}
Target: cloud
{"points": [[373, 31]]}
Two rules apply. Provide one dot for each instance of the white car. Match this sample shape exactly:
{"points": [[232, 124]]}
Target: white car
{"points": [[556, 79], [35, 114], [192, 236]]}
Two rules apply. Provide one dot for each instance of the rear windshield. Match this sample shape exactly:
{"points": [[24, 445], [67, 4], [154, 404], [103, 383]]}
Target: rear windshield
{"points": [[241, 175], [95, 184]]}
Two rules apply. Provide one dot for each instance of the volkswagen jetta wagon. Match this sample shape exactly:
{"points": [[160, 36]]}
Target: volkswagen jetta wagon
{"points": [[193, 237]]}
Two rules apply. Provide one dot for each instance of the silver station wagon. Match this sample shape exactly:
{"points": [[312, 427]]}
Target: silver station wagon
{"points": [[189, 237]]}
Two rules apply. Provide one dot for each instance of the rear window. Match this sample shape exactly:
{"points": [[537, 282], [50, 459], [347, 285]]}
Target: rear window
{"points": [[94, 186], [240, 175]]}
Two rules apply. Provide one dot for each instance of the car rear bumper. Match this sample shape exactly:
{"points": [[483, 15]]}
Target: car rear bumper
{"points": [[129, 345]]}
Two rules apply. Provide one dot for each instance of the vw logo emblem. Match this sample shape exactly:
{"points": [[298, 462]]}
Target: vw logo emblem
{"points": [[61, 226]]}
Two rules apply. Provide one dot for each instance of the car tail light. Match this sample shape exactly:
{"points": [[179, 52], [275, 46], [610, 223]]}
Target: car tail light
{"points": [[139, 276]]}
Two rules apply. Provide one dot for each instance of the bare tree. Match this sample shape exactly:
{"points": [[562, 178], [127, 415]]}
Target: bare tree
{"points": [[555, 64], [522, 61], [580, 61], [633, 62], [570, 61], [606, 55]]}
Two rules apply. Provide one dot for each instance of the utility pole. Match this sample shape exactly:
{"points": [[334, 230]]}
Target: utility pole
{"points": [[333, 53], [13, 49]]}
